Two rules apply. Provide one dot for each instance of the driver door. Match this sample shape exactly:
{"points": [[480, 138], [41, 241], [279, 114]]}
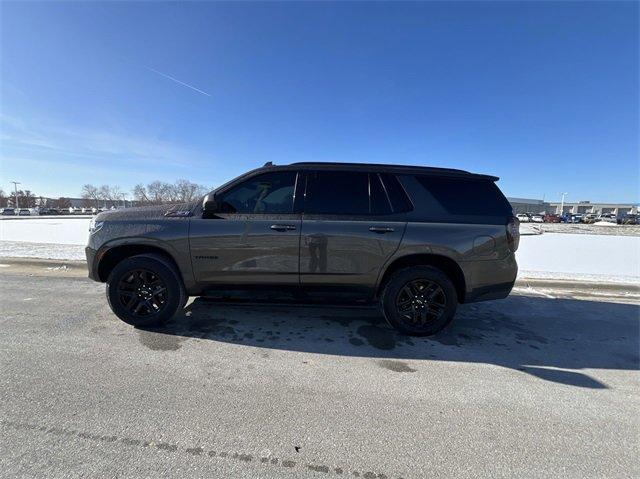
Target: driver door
{"points": [[253, 238]]}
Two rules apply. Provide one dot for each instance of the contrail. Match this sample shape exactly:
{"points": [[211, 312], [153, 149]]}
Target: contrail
{"points": [[177, 81]]}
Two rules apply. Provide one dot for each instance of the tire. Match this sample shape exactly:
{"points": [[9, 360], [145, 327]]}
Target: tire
{"points": [[415, 311], [145, 290]]}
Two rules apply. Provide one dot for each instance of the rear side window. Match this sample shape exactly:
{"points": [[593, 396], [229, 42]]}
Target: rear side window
{"points": [[468, 197], [378, 198], [352, 193], [398, 198]]}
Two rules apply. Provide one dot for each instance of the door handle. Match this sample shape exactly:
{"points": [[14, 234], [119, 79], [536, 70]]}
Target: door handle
{"points": [[282, 227], [381, 229]]}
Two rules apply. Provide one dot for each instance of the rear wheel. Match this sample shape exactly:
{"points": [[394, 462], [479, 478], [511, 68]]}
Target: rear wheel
{"points": [[145, 290], [419, 300]]}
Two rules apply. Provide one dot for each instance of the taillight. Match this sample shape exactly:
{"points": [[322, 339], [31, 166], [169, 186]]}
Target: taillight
{"points": [[513, 233]]}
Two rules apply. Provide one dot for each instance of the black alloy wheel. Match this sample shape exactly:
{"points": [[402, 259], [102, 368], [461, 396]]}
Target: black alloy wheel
{"points": [[146, 290], [142, 292], [420, 302]]}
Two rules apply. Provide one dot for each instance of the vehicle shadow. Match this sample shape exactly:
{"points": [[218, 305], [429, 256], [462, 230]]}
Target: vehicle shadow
{"points": [[541, 336]]}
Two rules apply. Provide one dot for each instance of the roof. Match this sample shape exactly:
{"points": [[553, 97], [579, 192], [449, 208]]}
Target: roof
{"points": [[399, 169], [529, 201]]}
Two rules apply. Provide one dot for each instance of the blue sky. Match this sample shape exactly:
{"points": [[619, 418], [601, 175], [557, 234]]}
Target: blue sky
{"points": [[544, 95]]}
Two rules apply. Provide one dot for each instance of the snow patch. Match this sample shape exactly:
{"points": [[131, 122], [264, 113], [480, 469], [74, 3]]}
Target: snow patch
{"points": [[50, 230], [21, 249], [580, 257]]}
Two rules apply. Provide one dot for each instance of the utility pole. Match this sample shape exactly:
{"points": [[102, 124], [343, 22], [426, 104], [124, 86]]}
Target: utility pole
{"points": [[15, 189], [562, 203]]}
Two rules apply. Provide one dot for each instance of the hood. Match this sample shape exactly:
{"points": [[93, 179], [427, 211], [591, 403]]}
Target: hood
{"points": [[148, 212]]}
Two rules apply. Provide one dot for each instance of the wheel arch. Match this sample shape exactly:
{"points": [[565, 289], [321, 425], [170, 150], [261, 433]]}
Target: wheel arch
{"points": [[445, 264], [108, 258]]}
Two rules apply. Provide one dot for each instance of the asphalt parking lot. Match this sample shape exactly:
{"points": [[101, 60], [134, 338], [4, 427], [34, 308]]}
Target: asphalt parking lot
{"points": [[538, 385]]}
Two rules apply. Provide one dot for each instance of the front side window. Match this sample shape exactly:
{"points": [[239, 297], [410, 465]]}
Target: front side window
{"points": [[352, 193], [269, 193]]}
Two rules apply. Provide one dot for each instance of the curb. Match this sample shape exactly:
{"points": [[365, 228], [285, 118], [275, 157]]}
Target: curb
{"points": [[576, 284], [78, 265]]}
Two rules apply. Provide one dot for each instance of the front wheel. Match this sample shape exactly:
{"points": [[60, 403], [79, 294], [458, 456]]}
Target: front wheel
{"points": [[419, 300], [145, 290]]}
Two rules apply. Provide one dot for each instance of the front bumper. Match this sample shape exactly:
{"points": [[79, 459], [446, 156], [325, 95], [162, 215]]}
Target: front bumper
{"points": [[91, 263]]}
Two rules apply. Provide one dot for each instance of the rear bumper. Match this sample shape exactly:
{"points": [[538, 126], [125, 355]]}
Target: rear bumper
{"points": [[91, 263], [492, 279], [486, 293]]}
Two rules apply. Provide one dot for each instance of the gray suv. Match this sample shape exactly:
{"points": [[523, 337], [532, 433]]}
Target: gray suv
{"points": [[415, 240]]}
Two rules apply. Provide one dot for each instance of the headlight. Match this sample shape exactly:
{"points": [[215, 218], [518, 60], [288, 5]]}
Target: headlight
{"points": [[95, 226]]}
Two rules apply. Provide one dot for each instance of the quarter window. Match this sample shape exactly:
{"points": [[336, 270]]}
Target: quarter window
{"points": [[269, 193], [471, 197]]}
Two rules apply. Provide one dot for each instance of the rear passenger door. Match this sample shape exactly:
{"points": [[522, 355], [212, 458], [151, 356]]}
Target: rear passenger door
{"points": [[349, 230]]}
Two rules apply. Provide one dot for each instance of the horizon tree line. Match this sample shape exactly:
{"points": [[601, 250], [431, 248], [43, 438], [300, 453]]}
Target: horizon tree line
{"points": [[156, 192]]}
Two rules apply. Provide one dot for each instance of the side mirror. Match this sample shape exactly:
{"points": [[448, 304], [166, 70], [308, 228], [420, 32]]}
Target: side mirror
{"points": [[209, 204]]}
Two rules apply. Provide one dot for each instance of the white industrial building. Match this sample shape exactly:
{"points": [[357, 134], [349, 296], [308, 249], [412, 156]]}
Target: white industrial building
{"points": [[528, 205], [584, 207]]}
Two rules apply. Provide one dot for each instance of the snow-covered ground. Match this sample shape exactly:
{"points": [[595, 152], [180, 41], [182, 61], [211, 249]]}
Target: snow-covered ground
{"points": [[605, 258], [49, 237], [580, 257], [46, 230]]}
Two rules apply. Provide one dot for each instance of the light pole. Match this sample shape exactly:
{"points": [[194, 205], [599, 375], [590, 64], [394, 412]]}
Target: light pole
{"points": [[562, 203], [15, 189]]}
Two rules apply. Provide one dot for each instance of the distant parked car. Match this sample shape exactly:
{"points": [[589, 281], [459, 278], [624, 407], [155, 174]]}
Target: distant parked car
{"points": [[590, 218], [537, 219], [629, 219], [523, 217], [577, 218], [552, 218], [48, 211], [608, 217], [8, 212], [24, 212]]}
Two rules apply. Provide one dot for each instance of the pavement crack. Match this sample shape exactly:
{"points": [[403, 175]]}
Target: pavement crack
{"points": [[195, 451]]}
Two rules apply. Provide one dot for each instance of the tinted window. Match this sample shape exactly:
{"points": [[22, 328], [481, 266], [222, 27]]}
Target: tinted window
{"points": [[379, 200], [466, 196], [337, 193], [266, 193], [398, 198], [345, 193]]}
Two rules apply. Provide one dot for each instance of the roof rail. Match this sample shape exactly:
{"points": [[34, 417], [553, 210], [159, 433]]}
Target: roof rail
{"points": [[400, 168], [268, 163]]}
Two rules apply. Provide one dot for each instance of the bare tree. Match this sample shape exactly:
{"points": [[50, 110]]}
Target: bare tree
{"points": [[63, 203], [187, 191], [140, 194], [159, 192], [115, 193], [91, 195], [26, 199], [3, 198], [104, 194]]}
